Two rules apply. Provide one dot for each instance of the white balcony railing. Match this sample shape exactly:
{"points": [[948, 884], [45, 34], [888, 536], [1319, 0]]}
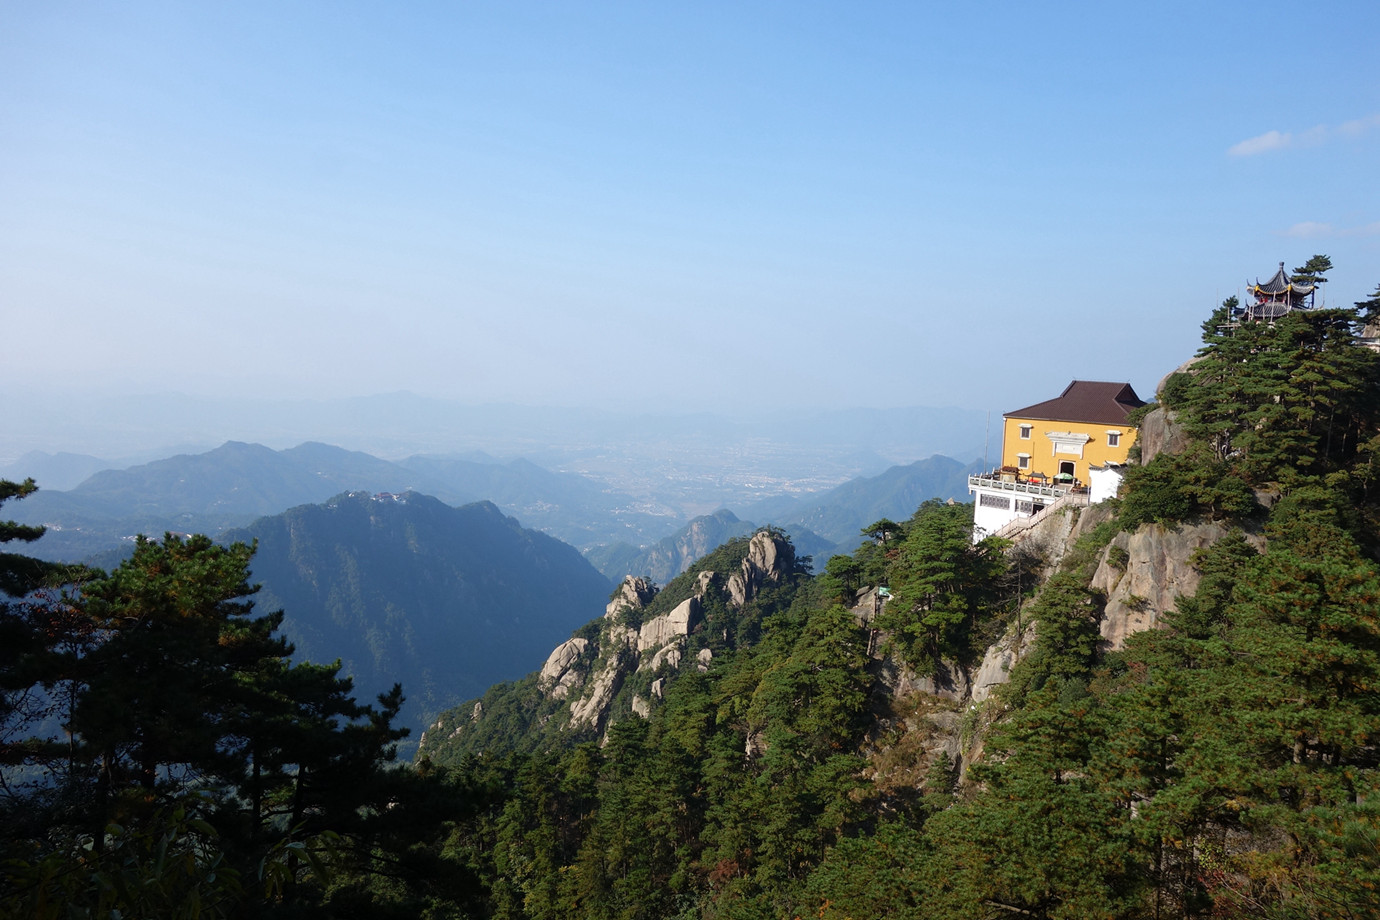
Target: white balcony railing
{"points": [[996, 483]]}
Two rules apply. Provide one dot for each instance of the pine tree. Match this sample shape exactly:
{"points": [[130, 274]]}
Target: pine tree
{"points": [[941, 584], [166, 688], [1369, 309], [1314, 271]]}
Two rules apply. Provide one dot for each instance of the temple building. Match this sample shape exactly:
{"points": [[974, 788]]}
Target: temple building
{"points": [[1276, 297], [1072, 446]]}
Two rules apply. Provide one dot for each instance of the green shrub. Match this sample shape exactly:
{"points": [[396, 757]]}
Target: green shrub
{"points": [[1175, 390], [1174, 488]]}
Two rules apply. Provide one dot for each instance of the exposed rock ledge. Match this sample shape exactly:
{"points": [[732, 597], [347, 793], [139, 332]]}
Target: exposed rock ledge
{"points": [[1158, 571], [767, 560], [559, 674], [634, 593], [620, 649], [660, 630]]}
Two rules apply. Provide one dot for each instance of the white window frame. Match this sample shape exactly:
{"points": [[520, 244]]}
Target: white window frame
{"points": [[1113, 438], [1023, 461], [1026, 431]]}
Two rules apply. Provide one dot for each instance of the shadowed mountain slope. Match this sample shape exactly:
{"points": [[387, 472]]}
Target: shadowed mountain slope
{"points": [[406, 588]]}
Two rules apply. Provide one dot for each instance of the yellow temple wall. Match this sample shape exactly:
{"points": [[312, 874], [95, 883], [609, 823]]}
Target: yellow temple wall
{"points": [[1041, 448]]}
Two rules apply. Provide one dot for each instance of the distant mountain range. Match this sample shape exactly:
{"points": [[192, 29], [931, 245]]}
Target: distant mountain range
{"points": [[236, 483], [403, 424], [671, 555], [56, 471], [405, 588], [839, 514], [820, 526]]}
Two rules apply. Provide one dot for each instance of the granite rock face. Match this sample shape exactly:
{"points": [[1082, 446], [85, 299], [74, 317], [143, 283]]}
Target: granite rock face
{"points": [[1158, 570], [768, 559], [633, 594], [946, 680], [660, 630], [559, 674], [590, 710], [1160, 434], [1001, 656]]}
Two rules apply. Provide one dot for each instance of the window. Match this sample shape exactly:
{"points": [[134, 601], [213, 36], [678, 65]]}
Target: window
{"points": [[1023, 461], [994, 501], [1025, 432], [1113, 438]]}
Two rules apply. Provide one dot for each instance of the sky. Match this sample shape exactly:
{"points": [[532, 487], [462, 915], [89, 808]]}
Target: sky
{"points": [[665, 207]]}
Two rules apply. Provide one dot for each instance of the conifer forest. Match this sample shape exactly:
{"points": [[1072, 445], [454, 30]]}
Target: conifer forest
{"points": [[164, 755]]}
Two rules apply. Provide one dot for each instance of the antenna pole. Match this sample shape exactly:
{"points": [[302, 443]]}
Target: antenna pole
{"points": [[986, 440]]}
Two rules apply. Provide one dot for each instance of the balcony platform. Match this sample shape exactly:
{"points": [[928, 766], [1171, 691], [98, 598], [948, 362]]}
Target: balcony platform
{"points": [[1004, 482]]}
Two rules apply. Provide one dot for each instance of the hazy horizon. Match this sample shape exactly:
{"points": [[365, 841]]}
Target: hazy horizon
{"points": [[393, 426], [660, 208]]}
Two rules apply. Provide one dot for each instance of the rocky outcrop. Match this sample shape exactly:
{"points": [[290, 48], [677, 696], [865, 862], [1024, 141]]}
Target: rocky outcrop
{"points": [[670, 655], [1144, 573], [946, 679], [560, 673], [1001, 657], [591, 709], [768, 559], [660, 630], [677, 624], [1160, 433], [588, 672], [633, 594]]}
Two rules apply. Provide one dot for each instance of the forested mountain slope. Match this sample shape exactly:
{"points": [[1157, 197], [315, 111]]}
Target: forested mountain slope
{"points": [[406, 588], [1165, 705], [1160, 706]]}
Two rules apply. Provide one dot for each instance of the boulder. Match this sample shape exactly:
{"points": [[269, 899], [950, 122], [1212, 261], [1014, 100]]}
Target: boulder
{"points": [[671, 654]]}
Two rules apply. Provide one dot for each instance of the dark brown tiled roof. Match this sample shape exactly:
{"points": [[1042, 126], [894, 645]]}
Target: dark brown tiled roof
{"points": [[1092, 401], [1280, 284]]}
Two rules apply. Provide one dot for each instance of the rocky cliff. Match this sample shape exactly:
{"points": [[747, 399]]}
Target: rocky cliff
{"points": [[618, 665]]}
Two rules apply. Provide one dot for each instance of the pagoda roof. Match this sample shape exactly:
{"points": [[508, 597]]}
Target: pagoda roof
{"points": [[1281, 284], [1090, 401]]}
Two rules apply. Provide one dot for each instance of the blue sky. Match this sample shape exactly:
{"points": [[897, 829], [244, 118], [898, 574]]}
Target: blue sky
{"points": [[665, 206]]}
